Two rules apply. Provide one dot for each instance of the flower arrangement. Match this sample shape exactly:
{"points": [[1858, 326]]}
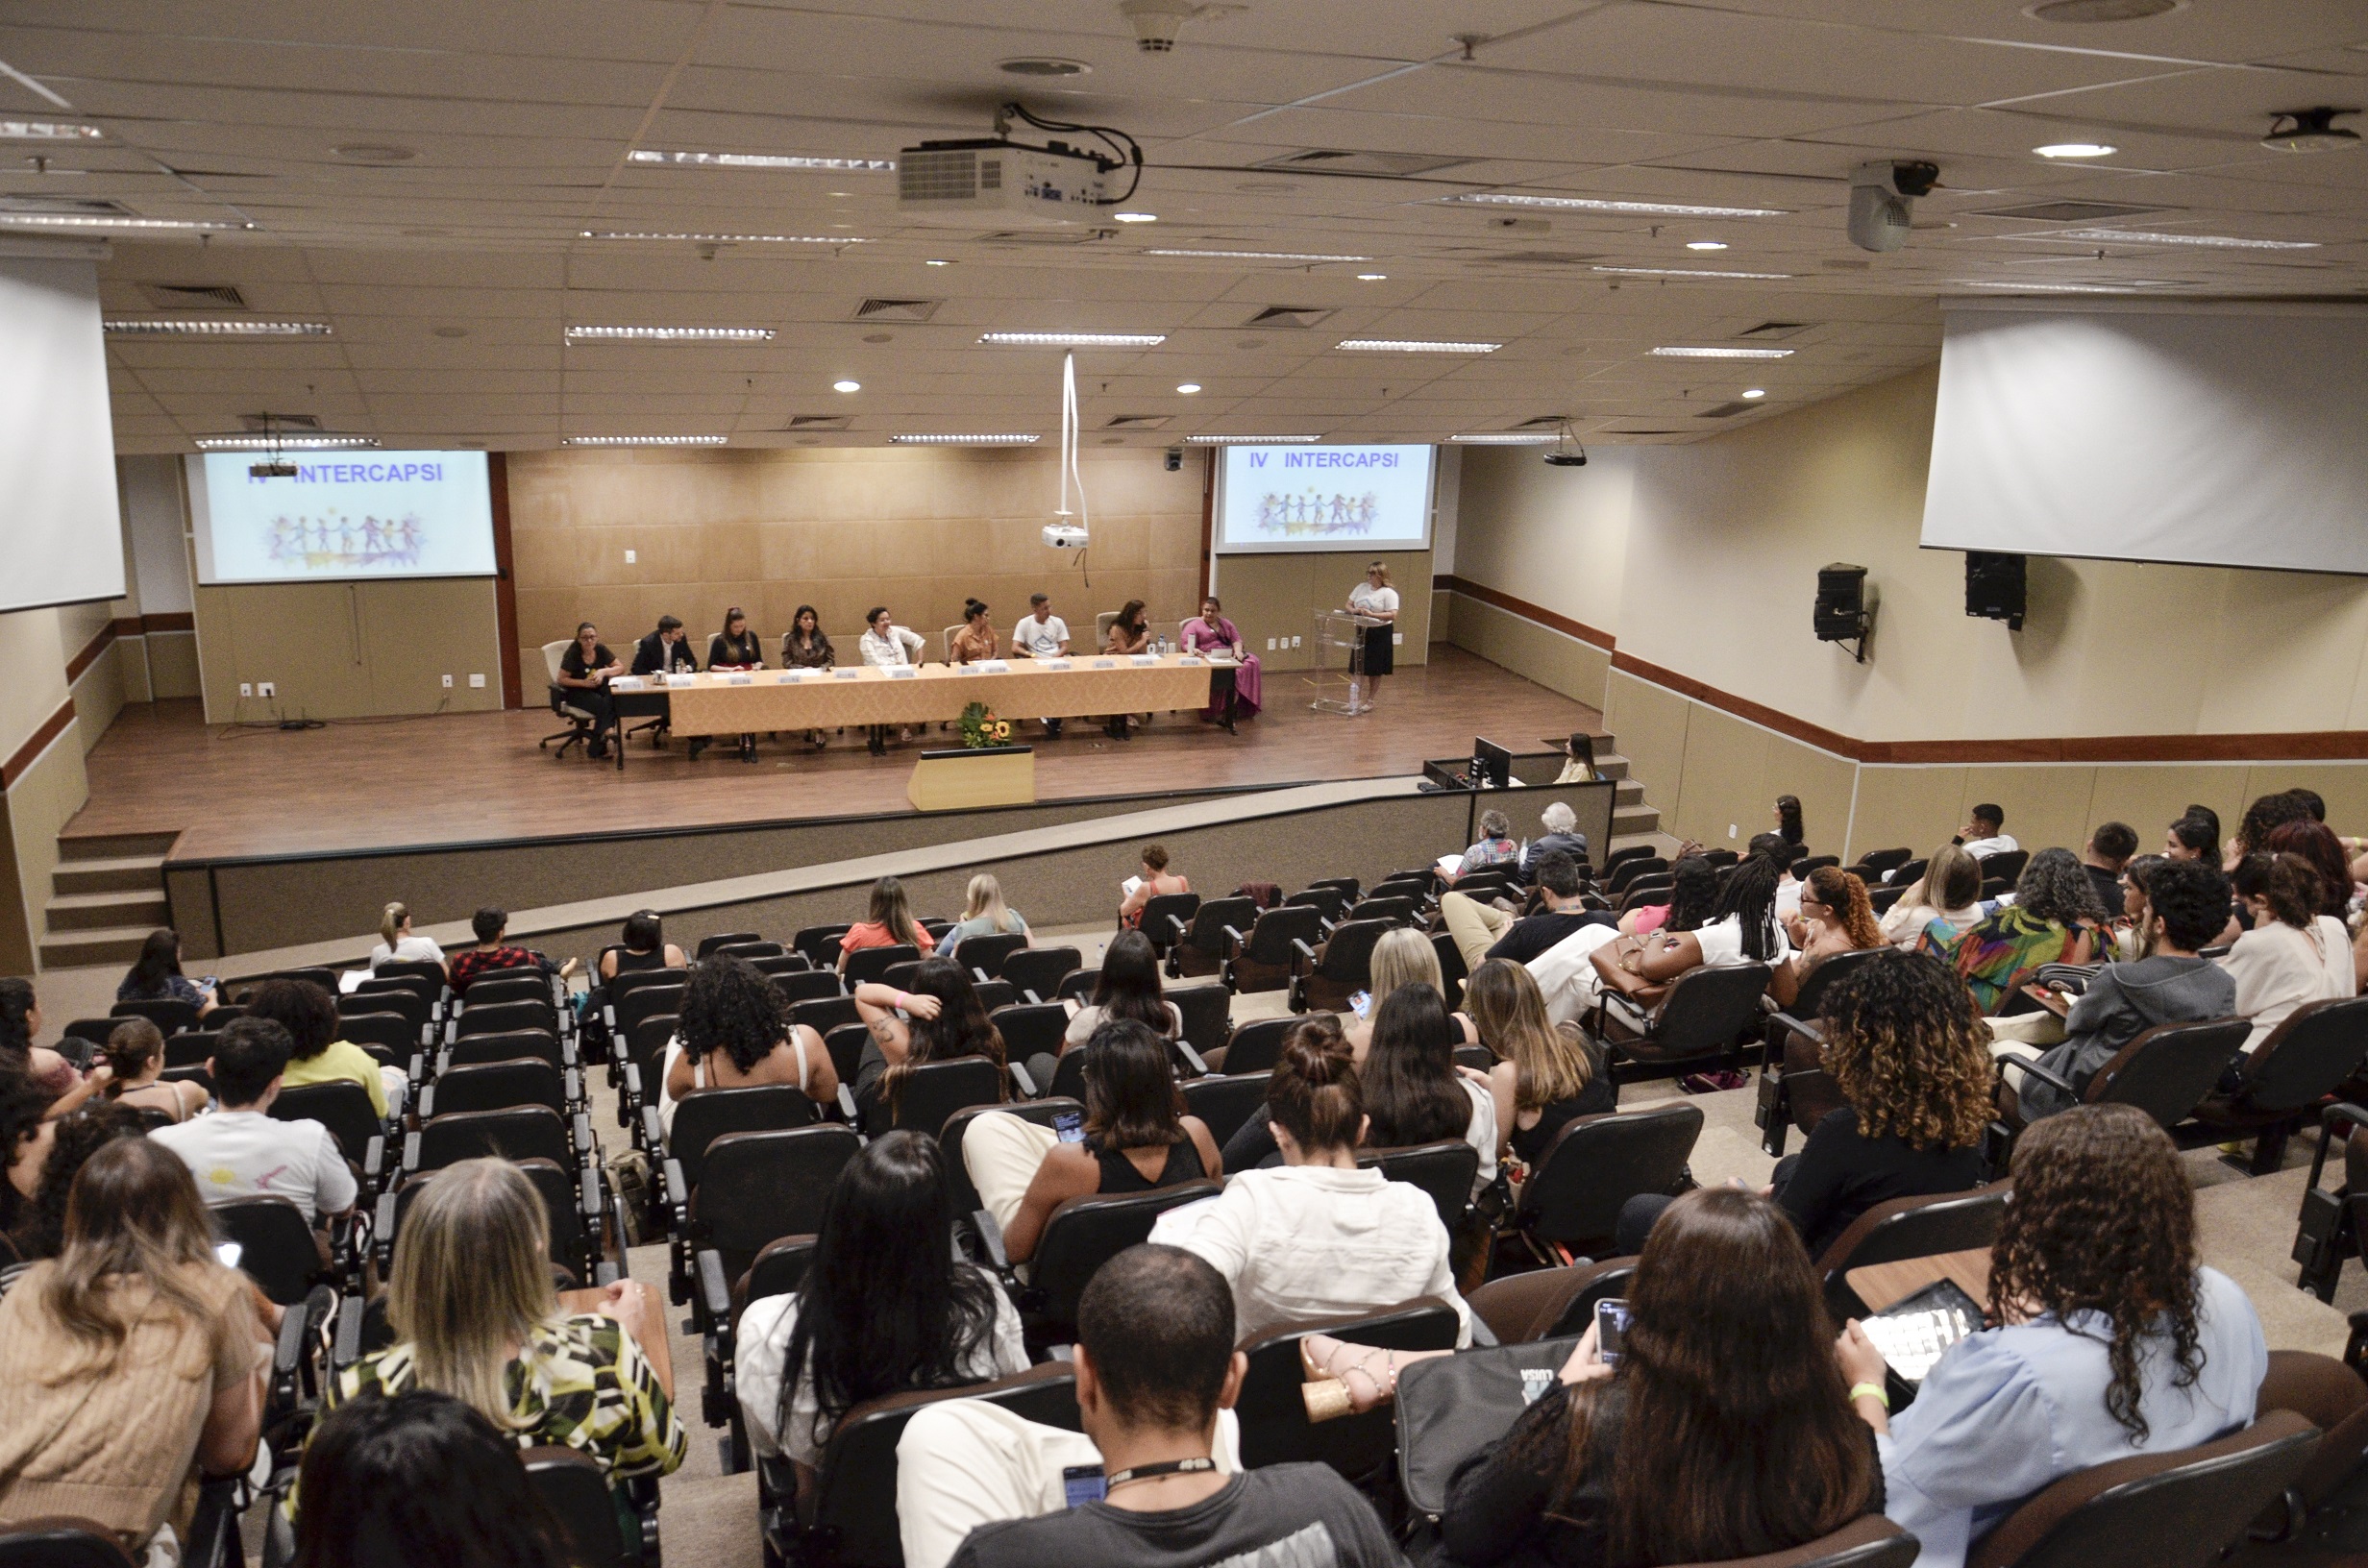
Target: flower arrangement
{"points": [[981, 728]]}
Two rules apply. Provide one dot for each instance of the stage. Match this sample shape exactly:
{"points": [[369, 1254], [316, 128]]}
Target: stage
{"points": [[361, 785]]}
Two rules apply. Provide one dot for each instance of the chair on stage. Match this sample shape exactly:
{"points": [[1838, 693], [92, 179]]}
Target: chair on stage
{"points": [[583, 724]]}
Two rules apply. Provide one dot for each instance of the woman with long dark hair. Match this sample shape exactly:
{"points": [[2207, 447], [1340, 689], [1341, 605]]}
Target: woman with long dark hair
{"points": [[1414, 1092], [1129, 633], [805, 647], [2108, 1337], [884, 1308], [1693, 894], [156, 975], [1789, 824], [939, 1020], [419, 1477], [734, 1034], [1701, 1444], [1128, 989], [736, 646], [1742, 929], [20, 1020], [2316, 845], [2293, 954]]}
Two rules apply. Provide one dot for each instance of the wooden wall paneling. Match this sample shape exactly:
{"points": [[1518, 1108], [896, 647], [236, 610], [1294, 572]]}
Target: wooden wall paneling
{"points": [[505, 581], [2043, 805]]}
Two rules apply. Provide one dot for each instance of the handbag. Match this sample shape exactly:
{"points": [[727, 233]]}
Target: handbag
{"points": [[1451, 1408]]}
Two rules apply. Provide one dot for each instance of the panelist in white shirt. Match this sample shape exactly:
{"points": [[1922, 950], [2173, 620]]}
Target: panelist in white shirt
{"points": [[1376, 601], [1041, 635], [888, 646]]}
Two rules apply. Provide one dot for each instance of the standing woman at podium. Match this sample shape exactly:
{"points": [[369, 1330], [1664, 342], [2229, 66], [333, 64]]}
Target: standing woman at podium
{"points": [[1376, 601]]}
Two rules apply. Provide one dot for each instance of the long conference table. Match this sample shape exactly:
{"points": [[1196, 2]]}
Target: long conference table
{"points": [[1082, 685]]}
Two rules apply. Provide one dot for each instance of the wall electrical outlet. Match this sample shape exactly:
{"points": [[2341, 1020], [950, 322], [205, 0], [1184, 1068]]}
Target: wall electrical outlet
{"points": [[476, 682], [265, 688], [246, 688], [1730, 830], [1270, 645], [448, 683], [628, 558], [1295, 642], [1397, 639]]}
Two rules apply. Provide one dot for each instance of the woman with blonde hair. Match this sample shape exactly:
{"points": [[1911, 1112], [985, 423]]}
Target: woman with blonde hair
{"points": [[1949, 891], [1375, 599], [398, 944], [984, 914], [1545, 1074], [1402, 957], [133, 1362], [475, 1317]]}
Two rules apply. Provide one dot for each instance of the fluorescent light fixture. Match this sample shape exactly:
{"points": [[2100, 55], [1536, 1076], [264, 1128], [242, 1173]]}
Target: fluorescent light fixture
{"points": [[762, 160], [1414, 345], [1373, 277], [94, 220], [1075, 340], [670, 335], [846, 386], [1506, 438], [1008, 439], [733, 239], [1595, 204], [1188, 389], [1261, 255], [2076, 149], [1723, 353], [286, 443], [937, 263], [1251, 440], [1135, 217], [1755, 392], [2021, 286], [48, 131], [645, 440], [1706, 244], [174, 327], [1691, 271], [2141, 236]]}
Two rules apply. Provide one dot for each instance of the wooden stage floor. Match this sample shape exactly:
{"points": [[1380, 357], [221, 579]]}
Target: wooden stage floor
{"points": [[461, 778]]}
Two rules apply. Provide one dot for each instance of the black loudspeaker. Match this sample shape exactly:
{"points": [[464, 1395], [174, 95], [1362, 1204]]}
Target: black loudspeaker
{"points": [[1994, 586], [1842, 614]]}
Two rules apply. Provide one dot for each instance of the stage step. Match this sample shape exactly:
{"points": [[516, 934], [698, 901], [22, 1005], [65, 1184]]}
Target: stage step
{"points": [[120, 874], [1628, 792], [110, 945], [108, 911], [1629, 820], [116, 845], [1613, 766]]}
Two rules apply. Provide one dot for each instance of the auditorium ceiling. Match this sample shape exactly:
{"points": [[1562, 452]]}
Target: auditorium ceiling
{"points": [[422, 178]]}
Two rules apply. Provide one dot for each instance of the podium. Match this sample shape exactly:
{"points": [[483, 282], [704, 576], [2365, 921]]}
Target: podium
{"points": [[1339, 676], [967, 779]]}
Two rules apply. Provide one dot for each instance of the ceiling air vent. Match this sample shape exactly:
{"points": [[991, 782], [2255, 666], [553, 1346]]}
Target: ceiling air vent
{"points": [[265, 423], [2065, 212], [896, 309], [1645, 433], [194, 296], [820, 421], [1544, 422], [1770, 331], [1543, 259], [1137, 422], [75, 205], [1369, 165], [1727, 410], [1290, 315], [1045, 237]]}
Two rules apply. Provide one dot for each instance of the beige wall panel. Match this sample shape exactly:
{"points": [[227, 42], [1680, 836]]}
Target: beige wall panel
{"points": [[1556, 537], [31, 651], [1442, 616], [39, 805], [2149, 797], [98, 696], [1721, 802], [1647, 726], [1912, 806], [415, 634], [131, 657], [172, 664], [1823, 782], [2344, 786], [300, 636], [2311, 676], [2044, 806], [1557, 662]]}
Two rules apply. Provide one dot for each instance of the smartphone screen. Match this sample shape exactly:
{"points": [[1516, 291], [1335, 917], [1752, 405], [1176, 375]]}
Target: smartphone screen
{"points": [[1070, 1128], [1361, 1001], [1611, 1329], [1082, 1484]]}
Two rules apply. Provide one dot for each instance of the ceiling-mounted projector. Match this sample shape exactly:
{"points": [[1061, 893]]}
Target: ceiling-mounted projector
{"points": [[2309, 130], [1002, 183], [1065, 536], [277, 468], [1880, 196], [1565, 452]]}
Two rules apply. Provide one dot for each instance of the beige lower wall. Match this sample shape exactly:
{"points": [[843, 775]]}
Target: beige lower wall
{"points": [[348, 649], [1279, 596], [36, 806], [1551, 658], [170, 665]]}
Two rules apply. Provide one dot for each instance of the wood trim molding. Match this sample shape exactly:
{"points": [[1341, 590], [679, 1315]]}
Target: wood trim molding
{"points": [[142, 625], [24, 756], [505, 580], [100, 643], [1523, 608]]}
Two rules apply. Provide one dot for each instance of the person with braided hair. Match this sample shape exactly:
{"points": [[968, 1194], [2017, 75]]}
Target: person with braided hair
{"points": [[2106, 1338]]}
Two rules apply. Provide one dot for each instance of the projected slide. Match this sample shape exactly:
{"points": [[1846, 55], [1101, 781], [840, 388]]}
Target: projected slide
{"points": [[1325, 498], [343, 515]]}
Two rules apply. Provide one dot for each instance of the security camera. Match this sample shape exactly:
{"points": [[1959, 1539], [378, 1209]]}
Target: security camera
{"points": [[1172, 460], [1882, 194]]}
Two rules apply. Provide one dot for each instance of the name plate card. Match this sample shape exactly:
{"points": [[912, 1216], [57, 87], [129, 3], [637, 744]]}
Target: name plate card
{"points": [[1143, 661], [845, 674], [1190, 661], [788, 677], [1054, 664], [682, 680], [628, 684], [904, 672], [739, 678], [1105, 664]]}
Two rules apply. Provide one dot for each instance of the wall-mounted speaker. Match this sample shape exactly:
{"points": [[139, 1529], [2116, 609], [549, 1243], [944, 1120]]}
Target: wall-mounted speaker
{"points": [[1842, 614], [1994, 586]]}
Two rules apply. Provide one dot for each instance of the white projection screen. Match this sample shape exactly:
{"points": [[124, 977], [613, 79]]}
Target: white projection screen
{"points": [[1273, 500], [2211, 436], [343, 516], [61, 532]]}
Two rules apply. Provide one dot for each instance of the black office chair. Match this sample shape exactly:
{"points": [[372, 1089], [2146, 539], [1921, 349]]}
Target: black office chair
{"points": [[1082, 1235], [1344, 966], [277, 1250], [874, 962], [523, 1131], [344, 1107], [1257, 1045], [498, 1018], [935, 1091], [752, 1186], [1596, 1164], [479, 1049], [1444, 1171], [497, 1085], [1207, 1010], [1216, 925], [725, 938], [1225, 1101], [1278, 948], [983, 955], [575, 1491], [808, 986], [1165, 917], [1030, 1029], [1037, 972]]}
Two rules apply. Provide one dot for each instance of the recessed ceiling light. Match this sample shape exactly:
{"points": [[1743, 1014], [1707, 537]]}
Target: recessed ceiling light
{"points": [[729, 239], [1040, 65], [1414, 345], [846, 386], [989, 440], [762, 160], [1723, 353], [670, 335], [1075, 340], [1755, 392], [94, 220], [1595, 204], [937, 263], [286, 443], [1373, 277], [644, 440], [1506, 438], [2019, 286], [375, 152], [1136, 217], [2139, 236], [2076, 149], [48, 131], [1706, 244], [1261, 255], [1691, 272], [177, 327], [1188, 389], [1251, 440]]}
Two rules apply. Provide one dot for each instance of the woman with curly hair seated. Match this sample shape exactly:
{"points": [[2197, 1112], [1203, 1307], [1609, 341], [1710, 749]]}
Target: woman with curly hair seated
{"points": [[1912, 1065], [734, 1033], [2110, 1339]]}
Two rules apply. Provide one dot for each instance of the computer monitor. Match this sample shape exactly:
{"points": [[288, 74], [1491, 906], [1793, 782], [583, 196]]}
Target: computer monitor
{"points": [[1491, 766]]}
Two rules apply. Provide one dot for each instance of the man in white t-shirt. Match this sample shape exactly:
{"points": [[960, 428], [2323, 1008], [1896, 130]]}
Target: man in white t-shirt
{"points": [[240, 1151], [1983, 836], [1041, 635]]}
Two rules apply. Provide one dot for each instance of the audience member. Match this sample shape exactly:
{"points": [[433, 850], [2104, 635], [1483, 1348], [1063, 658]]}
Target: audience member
{"points": [[977, 641], [1155, 882], [317, 1053], [20, 1021], [1835, 917], [475, 1317], [1562, 837], [398, 944], [1949, 891], [733, 1033], [2188, 902], [2323, 852], [1579, 763], [1782, 853], [1745, 929], [420, 1478], [40, 1230], [1040, 634], [1693, 893], [1157, 1376], [1318, 1237], [940, 1019], [242, 1151], [2110, 849], [1137, 1136], [2132, 938], [736, 646], [585, 670], [27, 1134], [2055, 918], [1545, 1074], [493, 955], [2193, 838], [1984, 834], [2210, 818], [133, 1362], [1495, 846], [642, 945], [2292, 954], [1647, 1460], [888, 923], [984, 914], [2265, 816], [1127, 988], [2112, 1339], [885, 1307], [135, 1056], [1789, 824], [1414, 1092], [1405, 957], [155, 976], [1482, 931]]}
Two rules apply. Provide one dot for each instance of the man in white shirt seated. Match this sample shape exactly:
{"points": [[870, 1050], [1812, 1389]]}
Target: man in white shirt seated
{"points": [[1155, 1480], [1981, 835], [240, 1151], [1041, 635], [888, 646]]}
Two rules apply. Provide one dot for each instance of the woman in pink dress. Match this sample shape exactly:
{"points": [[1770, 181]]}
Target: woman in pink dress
{"points": [[1210, 633]]}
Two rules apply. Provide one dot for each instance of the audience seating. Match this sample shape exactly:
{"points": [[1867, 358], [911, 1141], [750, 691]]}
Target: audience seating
{"points": [[2005, 865], [2167, 1071], [518, 1133], [1217, 926], [1701, 1019], [725, 938], [750, 1187], [983, 955], [1207, 1013], [1030, 1029], [168, 1013], [404, 1001], [509, 986], [1899, 1228], [1279, 946], [189, 1048], [1344, 964], [936, 1090], [823, 1014], [2304, 1060], [500, 1018], [1082, 1235], [780, 962], [995, 994], [1164, 916], [845, 1045], [1036, 972], [479, 1049], [1549, 1303], [1618, 878], [93, 1030], [61, 1541], [1329, 901], [496, 1086], [1275, 1426], [874, 962], [1594, 1164], [1042, 1112], [2331, 1223], [1391, 911], [821, 944], [2331, 1396], [1887, 861], [1226, 1101], [276, 1248], [808, 986], [575, 1490], [1257, 1045], [1444, 1171], [344, 1109], [575, 1208], [1454, 971], [1077, 986], [777, 1270]]}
